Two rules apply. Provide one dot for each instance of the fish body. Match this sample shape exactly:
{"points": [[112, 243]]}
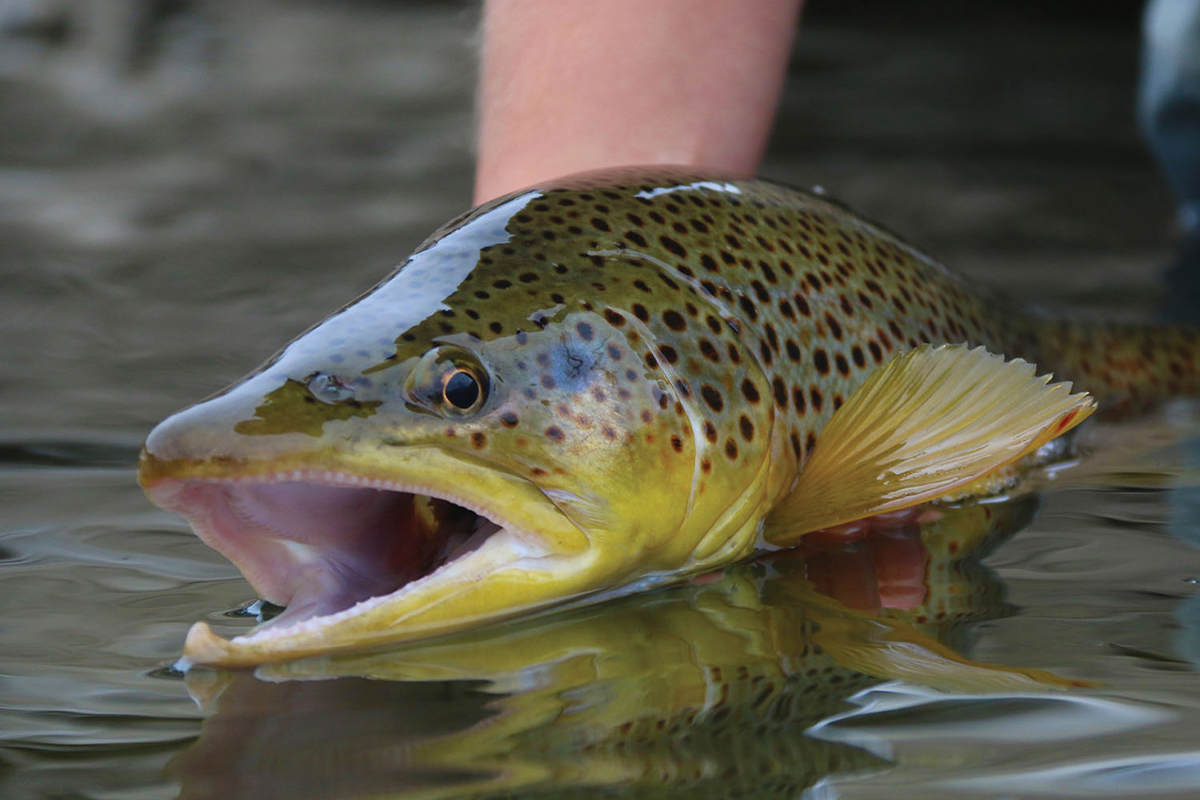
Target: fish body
{"points": [[606, 382]]}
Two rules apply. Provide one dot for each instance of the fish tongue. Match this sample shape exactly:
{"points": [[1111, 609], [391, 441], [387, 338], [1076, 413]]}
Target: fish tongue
{"points": [[335, 581]]}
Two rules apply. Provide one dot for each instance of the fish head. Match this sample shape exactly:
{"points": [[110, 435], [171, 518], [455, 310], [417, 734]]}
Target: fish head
{"points": [[490, 430]]}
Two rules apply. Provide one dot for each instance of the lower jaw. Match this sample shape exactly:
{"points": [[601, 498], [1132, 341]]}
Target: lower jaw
{"points": [[501, 579]]}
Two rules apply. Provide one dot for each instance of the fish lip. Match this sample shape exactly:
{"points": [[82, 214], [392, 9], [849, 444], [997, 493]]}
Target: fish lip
{"points": [[273, 577]]}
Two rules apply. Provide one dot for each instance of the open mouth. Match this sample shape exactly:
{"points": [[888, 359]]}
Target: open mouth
{"points": [[320, 543]]}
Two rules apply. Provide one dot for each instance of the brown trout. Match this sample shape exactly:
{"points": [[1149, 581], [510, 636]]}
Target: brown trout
{"points": [[707, 687], [604, 383]]}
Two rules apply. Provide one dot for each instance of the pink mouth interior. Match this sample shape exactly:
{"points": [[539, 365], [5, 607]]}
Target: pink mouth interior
{"points": [[318, 547]]}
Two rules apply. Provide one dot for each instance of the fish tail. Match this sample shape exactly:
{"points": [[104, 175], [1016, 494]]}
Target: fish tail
{"points": [[1128, 368]]}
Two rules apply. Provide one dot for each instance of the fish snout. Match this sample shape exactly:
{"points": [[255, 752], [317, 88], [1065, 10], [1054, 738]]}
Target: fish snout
{"points": [[262, 420]]}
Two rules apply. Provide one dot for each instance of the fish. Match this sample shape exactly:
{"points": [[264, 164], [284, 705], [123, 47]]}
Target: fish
{"points": [[706, 687], [607, 383]]}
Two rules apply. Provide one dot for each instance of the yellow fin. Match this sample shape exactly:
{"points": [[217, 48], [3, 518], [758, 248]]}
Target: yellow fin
{"points": [[927, 422]]}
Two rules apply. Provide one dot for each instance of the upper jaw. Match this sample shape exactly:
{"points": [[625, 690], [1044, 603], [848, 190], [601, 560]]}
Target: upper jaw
{"points": [[319, 541]]}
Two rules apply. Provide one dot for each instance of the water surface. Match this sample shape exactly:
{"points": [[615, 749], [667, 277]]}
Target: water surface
{"points": [[167, 223]]}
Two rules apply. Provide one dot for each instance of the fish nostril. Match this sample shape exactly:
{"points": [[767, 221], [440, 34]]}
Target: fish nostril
{"points": [[328, 388]]}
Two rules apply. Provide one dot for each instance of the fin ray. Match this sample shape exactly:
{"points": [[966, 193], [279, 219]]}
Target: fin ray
{"points": [[929, 421]]}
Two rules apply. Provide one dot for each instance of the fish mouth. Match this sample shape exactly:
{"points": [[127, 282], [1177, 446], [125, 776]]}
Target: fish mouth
{"points": [[329, 544]]}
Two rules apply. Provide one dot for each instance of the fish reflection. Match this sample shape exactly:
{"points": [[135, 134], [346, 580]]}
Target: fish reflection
{"points": [[705, 688]]}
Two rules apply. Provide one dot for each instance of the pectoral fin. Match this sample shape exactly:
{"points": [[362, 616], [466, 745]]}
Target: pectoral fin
{"points": [[929, 421]]}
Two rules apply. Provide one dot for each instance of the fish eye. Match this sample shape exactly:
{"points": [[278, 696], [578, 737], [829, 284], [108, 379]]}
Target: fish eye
{"points": [[448, 380], [460, 389]]}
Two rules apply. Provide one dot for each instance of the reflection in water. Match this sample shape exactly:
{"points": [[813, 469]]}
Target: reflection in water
{"points": [[706, 688]]}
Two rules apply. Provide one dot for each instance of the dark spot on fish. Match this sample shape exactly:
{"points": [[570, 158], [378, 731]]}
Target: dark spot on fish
{"points": [[674, 320], [746, 427], [748, 307], [478, 440], [673, 246], [555, 433], [798, 401], [509, 420], [750, 391], [834, 327], [779, 389], [712, 397], [585, 331], [821, 361]]}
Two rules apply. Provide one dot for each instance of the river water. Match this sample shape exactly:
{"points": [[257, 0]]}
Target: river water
{"points": [[182, 192]]}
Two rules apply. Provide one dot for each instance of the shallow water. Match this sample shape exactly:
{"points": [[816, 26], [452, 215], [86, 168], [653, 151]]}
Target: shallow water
{"points": [[167, 227]]}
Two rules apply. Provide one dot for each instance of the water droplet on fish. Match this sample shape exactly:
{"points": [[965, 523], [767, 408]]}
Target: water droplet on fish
{"points": [[328, 388]]}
